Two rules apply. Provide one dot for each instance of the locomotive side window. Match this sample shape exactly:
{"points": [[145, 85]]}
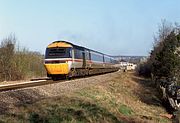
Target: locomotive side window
{"points": [[78, 54], [58, 53]]}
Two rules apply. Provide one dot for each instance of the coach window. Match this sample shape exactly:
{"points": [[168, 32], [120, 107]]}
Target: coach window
{"points": [[107, 59], [97, 57]]}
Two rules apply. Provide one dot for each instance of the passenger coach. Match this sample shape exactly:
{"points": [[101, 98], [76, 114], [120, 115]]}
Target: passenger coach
{"points": [[64, 59]]}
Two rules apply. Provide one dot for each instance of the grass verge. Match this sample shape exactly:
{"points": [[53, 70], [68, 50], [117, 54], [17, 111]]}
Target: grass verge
{"points": [[126, 98]]}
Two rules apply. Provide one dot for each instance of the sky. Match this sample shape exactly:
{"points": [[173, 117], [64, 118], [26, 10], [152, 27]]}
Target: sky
{"points": [[114, 27]]}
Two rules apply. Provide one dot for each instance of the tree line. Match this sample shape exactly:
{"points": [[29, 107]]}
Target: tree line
{"points": [[19, 63], [164, 59]]}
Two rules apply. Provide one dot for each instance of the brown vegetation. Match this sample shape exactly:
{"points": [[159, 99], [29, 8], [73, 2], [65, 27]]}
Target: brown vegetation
{"points": [[18, 64], [110, 98]]}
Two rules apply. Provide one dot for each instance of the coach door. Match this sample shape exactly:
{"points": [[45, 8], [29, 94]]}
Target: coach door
{"points": [[84, 59]]}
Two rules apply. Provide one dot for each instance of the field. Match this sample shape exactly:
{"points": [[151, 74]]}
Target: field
{"points": [[118, 98]]}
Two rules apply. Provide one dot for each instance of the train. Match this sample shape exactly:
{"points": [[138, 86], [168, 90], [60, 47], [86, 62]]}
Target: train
{"points": [[64, 59]]}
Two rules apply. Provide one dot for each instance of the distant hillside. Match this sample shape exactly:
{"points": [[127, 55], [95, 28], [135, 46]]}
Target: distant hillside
{"points": [[133, 59]]}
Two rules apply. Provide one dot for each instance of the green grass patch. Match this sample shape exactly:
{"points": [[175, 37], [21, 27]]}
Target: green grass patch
{"points": [[125, 110], [104, 103], [62, 109], [76, 110]]}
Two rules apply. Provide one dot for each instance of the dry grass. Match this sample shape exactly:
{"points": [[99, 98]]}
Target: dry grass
{"points": [[123, 98], [136, 95]]}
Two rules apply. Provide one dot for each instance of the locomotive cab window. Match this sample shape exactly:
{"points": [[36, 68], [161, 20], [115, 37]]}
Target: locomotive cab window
{"points": [[58, 53]]}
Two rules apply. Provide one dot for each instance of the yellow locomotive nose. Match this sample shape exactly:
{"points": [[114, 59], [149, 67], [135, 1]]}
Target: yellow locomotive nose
{"points": [[57, 68]]}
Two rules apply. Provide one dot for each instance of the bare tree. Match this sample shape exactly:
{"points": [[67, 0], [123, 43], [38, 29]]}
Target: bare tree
{"points": [[18, 63], [7, 51]]}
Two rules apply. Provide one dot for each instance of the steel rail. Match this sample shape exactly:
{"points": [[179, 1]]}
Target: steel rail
{"points": [[7, 87], [35, 82]]}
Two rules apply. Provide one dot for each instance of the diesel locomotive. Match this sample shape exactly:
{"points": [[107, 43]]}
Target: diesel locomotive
{"points": [[64, 59]]}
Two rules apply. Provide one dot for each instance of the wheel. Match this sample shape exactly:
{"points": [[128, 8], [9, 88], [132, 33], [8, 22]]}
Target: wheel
{"points": [[48, 75], [54, 78]]}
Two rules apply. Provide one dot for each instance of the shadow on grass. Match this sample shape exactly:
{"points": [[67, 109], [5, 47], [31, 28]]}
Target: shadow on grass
{"points": [[150, 95], [147, 91], [17, 99]]}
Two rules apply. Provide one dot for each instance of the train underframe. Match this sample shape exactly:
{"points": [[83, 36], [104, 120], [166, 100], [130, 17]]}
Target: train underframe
{"points": [[80, 72]]}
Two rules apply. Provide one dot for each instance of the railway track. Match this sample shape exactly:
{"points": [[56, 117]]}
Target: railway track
{"points": [[35, 82], [32, 83]]}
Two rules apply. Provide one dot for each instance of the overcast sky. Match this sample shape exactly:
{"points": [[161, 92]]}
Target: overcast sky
{"points": [[114, 27]]}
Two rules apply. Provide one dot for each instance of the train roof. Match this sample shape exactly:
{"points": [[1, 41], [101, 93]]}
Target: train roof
{"points": [[79, 47]]}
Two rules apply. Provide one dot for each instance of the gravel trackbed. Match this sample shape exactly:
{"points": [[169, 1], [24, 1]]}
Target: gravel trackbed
{"points": [[10, 100]]}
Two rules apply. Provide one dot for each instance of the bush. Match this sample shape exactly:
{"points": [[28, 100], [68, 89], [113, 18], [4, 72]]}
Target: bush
{"points": [[18, 64], [164, 60], [144, 69]]}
